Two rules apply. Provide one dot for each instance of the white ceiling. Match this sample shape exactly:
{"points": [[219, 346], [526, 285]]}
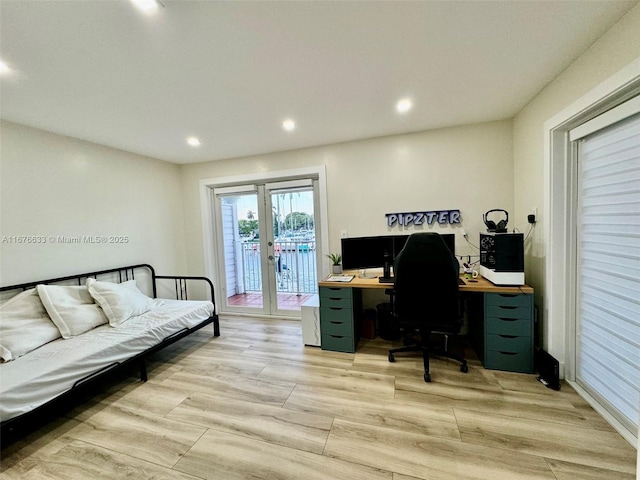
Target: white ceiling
{"points": [[231, 72]]}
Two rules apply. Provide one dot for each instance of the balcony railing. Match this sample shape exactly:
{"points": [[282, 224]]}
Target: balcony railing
{"points": [[295, 266]]}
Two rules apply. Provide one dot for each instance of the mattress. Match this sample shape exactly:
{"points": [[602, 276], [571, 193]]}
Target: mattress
{"points": [[45, 373]]}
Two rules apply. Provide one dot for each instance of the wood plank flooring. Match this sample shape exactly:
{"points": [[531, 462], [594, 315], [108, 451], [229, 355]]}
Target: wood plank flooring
{"points": [[255, 403]]}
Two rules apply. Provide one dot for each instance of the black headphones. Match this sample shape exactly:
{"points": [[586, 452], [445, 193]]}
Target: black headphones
{"points": [[501, 227]]}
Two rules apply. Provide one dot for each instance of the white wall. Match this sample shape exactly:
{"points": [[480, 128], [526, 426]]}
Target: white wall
{"points": [[613, 51], [53, 186], [468, 168]]}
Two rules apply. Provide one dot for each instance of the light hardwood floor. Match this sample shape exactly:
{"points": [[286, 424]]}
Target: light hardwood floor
{"points": [[255, 403]]}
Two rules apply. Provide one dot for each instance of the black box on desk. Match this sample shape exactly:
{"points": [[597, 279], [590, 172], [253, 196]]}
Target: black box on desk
{"points": [[502, 252], [502, 258]]}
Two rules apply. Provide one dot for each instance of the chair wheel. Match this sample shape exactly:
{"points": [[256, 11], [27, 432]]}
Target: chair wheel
{"points": [[464, 368], [427, 377], [391, 358]]}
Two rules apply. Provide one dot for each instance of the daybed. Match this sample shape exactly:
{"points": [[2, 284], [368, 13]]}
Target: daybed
{"points": [[61, 335]]}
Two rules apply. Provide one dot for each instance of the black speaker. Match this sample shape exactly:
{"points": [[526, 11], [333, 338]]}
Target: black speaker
{"points": [[501, 226], [549, 369], [502, 252]]}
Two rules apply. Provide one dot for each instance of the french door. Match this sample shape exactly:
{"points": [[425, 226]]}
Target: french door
{"points": [[266, 246]]}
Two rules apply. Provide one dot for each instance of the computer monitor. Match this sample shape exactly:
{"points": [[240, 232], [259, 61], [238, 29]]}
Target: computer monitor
{"points": [[366, 252], [398, 244], [450, 241], [369, 252], [400, 240]]}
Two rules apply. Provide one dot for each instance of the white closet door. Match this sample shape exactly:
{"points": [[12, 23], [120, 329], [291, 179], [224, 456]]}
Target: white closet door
{"points": [[608, 300]]}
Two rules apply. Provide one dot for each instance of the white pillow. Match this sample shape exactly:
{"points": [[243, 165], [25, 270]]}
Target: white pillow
{"points": [[71, 308], [119, 301], [24, 325]]}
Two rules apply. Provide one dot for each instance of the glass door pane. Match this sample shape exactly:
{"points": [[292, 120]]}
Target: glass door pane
{"points": [[241, 254], [294, 247]]}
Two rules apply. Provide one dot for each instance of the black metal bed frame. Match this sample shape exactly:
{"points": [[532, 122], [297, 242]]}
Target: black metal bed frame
{"points": [[10, 428]]}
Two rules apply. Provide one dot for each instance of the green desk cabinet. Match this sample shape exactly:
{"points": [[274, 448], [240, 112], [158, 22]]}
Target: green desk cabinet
{"points": [[508, 332], [340, 318]]}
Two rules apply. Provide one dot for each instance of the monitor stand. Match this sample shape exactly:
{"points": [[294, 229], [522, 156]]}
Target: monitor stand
{"points": [[364, 274], [386, 275]]}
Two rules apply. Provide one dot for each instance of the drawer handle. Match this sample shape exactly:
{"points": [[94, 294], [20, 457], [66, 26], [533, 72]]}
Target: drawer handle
{"points": [[337, 336], [507, 307], [508, 336], [337, 323], [335, 298], [508, 319], [508, 295], [507, 353], [335, 308]]}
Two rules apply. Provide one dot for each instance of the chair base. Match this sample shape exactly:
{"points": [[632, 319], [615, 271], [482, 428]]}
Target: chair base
{"points": [[426, 351]]}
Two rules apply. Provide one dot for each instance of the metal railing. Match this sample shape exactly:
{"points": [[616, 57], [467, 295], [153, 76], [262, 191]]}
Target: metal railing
{"points": [[295, 266]]}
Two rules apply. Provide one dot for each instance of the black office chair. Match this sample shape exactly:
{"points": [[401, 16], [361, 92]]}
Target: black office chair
{"points": [[426, 296]]}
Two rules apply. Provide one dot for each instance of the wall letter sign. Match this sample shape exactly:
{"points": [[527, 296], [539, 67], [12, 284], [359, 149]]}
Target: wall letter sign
{"points": [[420, 218]]}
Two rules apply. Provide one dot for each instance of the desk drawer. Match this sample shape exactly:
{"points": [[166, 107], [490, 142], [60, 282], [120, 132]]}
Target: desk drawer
{"points": [[507, 312], [337, 327], [338, 343], [335, 292], [509, 326], [331, 302], [508, 343], [510, 361], [508, 300], [342, 315]]}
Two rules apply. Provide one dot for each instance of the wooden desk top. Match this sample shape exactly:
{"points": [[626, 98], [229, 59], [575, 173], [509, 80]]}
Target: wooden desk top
{"points": [[479, 284]]}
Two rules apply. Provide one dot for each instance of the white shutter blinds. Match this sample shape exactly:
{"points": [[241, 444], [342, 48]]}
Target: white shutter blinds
{"points": [[608, 326]]}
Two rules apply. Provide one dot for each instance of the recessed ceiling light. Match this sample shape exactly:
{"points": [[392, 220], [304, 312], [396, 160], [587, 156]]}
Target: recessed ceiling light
{"points": [[289, 125], [147, 6], [404, 105], [4, 68], [194, 141]]}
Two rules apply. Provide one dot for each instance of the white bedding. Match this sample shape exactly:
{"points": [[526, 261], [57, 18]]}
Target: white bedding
{"points": [[52, 369]]}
